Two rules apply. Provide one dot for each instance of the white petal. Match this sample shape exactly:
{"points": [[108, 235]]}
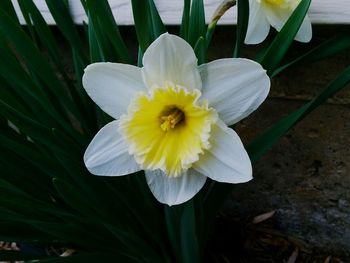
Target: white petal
{"points": [[112, 85], [258, 26], [277, 16], [226, 161], [234, 87], [174, 190], [108, 154], [170, 58], [305, 31]]}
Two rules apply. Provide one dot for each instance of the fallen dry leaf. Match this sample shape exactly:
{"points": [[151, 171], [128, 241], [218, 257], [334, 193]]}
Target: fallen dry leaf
{"points": [[263, 217], [294, 256]]}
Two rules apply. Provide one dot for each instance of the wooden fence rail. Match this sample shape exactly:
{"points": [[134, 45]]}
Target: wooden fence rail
{"points": [[321, 11]]}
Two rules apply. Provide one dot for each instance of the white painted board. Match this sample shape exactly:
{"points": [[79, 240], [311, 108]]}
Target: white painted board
{"points": [[321, 11]]}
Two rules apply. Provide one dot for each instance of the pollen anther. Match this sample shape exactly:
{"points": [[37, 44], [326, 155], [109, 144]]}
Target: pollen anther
{"points": [[171, 119]]}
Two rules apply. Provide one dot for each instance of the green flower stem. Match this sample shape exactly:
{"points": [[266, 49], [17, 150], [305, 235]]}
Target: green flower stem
{"points": [[219, 12]]}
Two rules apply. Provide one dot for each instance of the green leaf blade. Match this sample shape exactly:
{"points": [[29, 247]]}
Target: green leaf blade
{"points": [[279, 47], [196, 27], [242, 26], [148, 24]]}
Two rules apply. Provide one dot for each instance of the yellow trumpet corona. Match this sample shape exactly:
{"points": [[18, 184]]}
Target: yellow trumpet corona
{"points": [[168, 129]]}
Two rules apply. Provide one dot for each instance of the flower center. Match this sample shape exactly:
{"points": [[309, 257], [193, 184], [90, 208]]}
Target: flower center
{"points": [[291, 4], [168, 129], [276, 2], [171, 118]]}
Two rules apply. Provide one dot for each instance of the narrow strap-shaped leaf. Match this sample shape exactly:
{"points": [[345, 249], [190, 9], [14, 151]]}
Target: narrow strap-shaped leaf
{"points": [[196, 28], [17, 81], [60, 12], [35, 20], [12, 188], [242, 25], [33, 178], [135, 213], [8, 95], [7, 6], [329, 48], [78, 176], [189, 242], [96, 54], [173, 218], [127, 194], [29, 126], [37, 64], [156, 21], [76, 233], [280, 45], [108, 205], [22, 204], [29, 23], [145, 252], [37, 131], [185, 20], [200, 51], [108, 26], [181, 227], [139, 57], [14, 232], [148, 24], [65, 23], [30, 10], [20, 210], [40, 161], [140, 11], [105, 46], [74, 198]]}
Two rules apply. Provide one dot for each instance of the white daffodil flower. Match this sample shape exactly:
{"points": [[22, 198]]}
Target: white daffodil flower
{"points": [[263, 13], [171, 118]]}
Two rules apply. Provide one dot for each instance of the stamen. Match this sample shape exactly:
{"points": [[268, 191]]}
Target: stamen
{"points": [[173, 117]]}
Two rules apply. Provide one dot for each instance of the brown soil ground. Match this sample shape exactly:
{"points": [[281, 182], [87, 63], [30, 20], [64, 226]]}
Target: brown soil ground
{"points": [[258, 240]]}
